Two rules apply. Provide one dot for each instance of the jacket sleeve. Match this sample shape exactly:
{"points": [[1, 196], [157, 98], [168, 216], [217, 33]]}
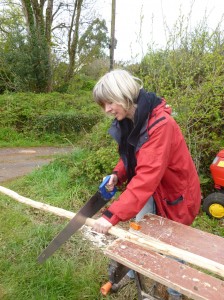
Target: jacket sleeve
{"points": [[152, 161], [120, 171]]}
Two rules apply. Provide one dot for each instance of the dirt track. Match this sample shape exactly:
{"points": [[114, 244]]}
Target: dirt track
{"points": [[17, 162]]}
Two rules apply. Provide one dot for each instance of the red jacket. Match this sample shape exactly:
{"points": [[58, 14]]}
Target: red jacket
{"points": [[165, 170]]}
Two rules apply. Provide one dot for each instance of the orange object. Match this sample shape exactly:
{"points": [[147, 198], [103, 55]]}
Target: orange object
{"points": [[135, 226], [106, 288], [217, 169]]}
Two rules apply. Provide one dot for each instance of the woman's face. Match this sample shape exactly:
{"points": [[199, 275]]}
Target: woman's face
{"points": [[118, 111]]}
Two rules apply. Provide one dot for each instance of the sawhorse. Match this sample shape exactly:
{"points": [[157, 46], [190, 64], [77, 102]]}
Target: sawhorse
{"points": [[189, 281]]}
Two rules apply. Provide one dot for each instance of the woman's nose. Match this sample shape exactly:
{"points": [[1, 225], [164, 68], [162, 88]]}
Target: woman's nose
{"points": [[107, 107]]}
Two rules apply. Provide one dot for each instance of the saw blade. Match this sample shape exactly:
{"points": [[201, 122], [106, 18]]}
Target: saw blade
{"points": [[95, 203]]}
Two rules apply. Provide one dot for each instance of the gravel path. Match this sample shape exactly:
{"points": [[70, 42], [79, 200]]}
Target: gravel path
{"points": [[17, 162]]}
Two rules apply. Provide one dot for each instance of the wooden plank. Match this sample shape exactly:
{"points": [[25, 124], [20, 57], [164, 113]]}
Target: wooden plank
{"points": [[151, 243], [188, 281], [184, 237]]}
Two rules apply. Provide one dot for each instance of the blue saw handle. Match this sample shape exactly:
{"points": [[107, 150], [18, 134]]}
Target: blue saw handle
{"points": [[105, 194]]}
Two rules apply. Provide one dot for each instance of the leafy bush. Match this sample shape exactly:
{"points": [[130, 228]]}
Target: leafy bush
{"points": [[81, 83], [98, 136], [65, 122], [101, 156], [31, 115], [96, 165]]}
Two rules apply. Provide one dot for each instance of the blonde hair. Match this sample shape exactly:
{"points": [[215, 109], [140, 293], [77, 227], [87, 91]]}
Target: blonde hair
{"points": [[117, 86]]}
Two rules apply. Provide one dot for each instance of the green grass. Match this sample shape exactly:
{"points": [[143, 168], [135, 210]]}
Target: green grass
{"points": [[70, 274], [77, 270], [211, 225], [10, 137]]}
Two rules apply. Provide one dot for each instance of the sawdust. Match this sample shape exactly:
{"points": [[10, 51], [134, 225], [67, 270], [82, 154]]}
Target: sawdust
{"points": [[99, 240]]}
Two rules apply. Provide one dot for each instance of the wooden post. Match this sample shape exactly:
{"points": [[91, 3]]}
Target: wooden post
{"points": [[112, 39]]}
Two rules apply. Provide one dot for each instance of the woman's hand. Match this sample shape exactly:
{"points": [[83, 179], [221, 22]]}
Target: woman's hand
{"points": [[101, 225], [112, 182]]}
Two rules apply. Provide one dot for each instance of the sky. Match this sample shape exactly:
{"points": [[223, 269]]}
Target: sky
{"points": [[139, 23]]}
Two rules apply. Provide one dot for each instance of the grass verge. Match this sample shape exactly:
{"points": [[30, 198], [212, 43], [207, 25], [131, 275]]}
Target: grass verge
{"points": [[77, 270]]}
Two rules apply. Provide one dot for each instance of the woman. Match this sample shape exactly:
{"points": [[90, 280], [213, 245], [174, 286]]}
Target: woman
{"points": [[154, 163]]}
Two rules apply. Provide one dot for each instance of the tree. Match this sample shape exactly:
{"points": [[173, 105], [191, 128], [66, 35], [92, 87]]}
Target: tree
{"points": [[93, 41], [85, 35], [12, 51], [48, 33], [88, 47], [73, 37], [39, 40]]}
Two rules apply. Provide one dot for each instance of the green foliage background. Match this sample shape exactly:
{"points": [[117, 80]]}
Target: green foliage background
{"points": [[46, 118]]}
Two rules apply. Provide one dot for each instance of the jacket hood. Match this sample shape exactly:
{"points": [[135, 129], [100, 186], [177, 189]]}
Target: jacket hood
{"points": [[163, 106]]}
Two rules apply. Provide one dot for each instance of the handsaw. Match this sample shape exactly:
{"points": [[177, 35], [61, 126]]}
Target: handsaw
{"points": [[95, 203]]}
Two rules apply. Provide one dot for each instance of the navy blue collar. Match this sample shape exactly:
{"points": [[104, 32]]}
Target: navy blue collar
{"points": [[146, 102]]}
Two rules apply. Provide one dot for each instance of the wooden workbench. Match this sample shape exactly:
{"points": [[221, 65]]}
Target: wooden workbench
{"points": [[187, 279]]}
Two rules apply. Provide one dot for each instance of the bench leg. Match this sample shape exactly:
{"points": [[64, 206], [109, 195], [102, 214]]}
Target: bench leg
{"points": [[118, 278], [141, 288]]}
